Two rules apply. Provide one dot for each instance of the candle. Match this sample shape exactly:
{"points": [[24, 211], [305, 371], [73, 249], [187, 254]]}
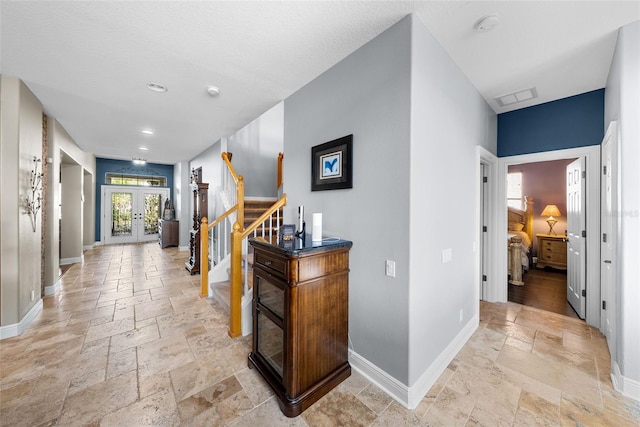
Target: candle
{"points": [[316, 234]]}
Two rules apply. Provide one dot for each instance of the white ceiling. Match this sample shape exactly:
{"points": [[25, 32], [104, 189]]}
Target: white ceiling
{"points": [[89, 62]]}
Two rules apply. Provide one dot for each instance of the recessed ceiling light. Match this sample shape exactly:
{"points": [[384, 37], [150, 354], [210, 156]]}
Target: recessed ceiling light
{"points": [[143, 148], [156, 87], [213, 90], [139, 161], [147, 131], [487, 23]]}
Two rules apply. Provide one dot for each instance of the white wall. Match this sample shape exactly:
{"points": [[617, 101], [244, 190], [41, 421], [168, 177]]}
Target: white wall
{"points": [[181, 196], [368, 95], [211, 164], [20, 246], [255, 150], [449, 118], [622, 103], [71, 229]]}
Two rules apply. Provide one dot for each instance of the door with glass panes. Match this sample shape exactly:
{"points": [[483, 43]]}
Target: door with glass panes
{"points": [[131, 214]]}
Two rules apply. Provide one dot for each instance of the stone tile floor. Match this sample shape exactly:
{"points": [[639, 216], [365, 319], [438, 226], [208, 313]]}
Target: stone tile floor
{"points": [[128, 342]]}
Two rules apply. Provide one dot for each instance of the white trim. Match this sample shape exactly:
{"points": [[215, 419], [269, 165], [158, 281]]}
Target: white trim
{"points": [[592, 155], [183, 248], [16, 329], [491, 161], [67, 261], [98, 243], [429, 377], [388, 384], [87, 247], [410, 397], [53, 289], [624, 385]]}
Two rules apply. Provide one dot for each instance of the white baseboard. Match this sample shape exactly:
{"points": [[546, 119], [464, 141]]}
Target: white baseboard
{"points": [[16, 329], [626, 386], [410, 397], [183, 248], [67, 261], [98, 243], [433, 372], [380, 378], [87, 247], [53, 289]]}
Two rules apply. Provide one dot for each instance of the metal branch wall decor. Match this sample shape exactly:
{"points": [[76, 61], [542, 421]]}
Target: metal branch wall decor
{"points": [[34, 199]]}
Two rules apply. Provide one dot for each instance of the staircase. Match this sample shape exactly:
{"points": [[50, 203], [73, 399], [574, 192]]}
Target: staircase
{"points": [[224, 245], [253, 209], [220, 288]]}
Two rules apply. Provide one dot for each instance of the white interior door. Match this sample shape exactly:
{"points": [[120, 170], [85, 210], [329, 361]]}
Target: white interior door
{"points": [[607, 246], [484, 241], [576, 244], [131, 214]]}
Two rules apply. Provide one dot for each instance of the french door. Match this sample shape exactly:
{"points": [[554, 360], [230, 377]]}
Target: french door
{"points": [[131, 214]]}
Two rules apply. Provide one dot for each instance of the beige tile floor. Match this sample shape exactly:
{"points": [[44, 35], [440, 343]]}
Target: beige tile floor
{"points": [[128, 342]]}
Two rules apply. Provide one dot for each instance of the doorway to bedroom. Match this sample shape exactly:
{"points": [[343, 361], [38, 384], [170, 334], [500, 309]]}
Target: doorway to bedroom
{"points": [[550, 271]]}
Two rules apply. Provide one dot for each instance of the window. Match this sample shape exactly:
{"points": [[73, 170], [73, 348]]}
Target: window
{"points": [[514, 190], [139, 180]]}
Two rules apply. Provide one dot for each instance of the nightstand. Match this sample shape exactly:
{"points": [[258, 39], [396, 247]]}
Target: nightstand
{"points": [[552, 251]]}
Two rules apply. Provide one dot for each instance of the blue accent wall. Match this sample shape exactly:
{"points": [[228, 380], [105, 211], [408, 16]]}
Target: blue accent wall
{"points": [[577, 121], [104, 166]]}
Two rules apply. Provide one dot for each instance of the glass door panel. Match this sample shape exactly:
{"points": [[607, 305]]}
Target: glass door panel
{"points": [[121, 214], [270, 342], [131, 214]]}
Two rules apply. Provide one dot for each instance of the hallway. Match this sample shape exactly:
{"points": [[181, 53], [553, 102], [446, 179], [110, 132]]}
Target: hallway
{"points": [[128, 342]]}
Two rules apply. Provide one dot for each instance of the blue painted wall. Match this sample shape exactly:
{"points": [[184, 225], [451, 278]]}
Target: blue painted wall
{"points": [[104, 166], [577, 121]]}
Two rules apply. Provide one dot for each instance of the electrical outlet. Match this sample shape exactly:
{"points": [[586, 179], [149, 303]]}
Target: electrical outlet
{"points": [[390, 268], [461, 315], [33, 295]]}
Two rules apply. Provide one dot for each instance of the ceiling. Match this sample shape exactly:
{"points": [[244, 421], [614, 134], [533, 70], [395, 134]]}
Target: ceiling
{"points": [[89, 62]]}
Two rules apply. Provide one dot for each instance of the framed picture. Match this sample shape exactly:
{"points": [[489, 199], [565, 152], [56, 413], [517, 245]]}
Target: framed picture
{"points": [[331, 165]]}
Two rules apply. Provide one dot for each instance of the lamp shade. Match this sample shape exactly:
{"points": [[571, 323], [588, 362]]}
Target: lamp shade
{"points": [[550, 210]]}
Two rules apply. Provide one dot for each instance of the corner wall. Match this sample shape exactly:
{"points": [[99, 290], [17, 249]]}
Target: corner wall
{"points": [[622, 103], [20, 246], [368, 94]]}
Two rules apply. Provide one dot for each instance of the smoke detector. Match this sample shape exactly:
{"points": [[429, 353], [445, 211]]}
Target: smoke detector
{"points": [[487, 23]]}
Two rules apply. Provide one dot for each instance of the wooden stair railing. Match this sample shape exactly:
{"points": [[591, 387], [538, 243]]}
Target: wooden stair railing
{"points": [[239, 233], [236, 289]]}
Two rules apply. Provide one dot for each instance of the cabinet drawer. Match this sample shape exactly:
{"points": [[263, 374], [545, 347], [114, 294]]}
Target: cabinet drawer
{"points": [[275, 265]]}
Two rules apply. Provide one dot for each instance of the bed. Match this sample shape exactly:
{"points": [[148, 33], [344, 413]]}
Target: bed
{"points": [[519, 241]]}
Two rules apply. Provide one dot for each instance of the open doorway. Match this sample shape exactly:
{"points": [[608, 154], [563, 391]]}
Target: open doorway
{"points": [[591, 155], [545, 278]]}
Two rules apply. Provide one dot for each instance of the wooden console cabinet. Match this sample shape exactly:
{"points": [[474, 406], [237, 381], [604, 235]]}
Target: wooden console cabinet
{"points": [[301, 319], [168, 233], [552, 251]]}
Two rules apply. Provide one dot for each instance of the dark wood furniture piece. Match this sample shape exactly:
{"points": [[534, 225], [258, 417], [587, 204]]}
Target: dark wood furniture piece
{"points": [[552, 251], [200, 209], [168, 233], [301, 319]]}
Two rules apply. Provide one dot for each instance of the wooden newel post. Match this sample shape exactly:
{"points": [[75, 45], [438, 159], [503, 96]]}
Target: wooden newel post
{"points": [[204, 258], [235, 297]]}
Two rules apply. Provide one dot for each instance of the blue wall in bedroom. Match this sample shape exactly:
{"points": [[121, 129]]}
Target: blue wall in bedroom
{"points": [[103, 166], [577, 121]]}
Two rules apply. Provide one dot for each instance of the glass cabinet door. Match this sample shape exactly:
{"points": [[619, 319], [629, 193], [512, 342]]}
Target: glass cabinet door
{"points": [[269, 324]]}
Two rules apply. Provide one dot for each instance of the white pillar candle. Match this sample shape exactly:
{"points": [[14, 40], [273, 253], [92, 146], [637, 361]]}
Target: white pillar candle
{"points": [[316, 234]]}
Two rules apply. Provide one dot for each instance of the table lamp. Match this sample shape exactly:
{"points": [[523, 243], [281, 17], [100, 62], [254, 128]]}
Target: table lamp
{"points": [[551, 211]]}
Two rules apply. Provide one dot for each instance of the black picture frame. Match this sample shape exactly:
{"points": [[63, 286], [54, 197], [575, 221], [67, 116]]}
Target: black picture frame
{"points": [[336, 155]]}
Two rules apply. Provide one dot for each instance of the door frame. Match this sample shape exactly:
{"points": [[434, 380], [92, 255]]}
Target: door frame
{"points": [[592, 212], [166, 193], [490, 162]]}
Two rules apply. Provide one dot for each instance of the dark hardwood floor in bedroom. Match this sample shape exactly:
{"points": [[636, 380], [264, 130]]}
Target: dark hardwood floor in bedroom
{"points": [[545, 289]]}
